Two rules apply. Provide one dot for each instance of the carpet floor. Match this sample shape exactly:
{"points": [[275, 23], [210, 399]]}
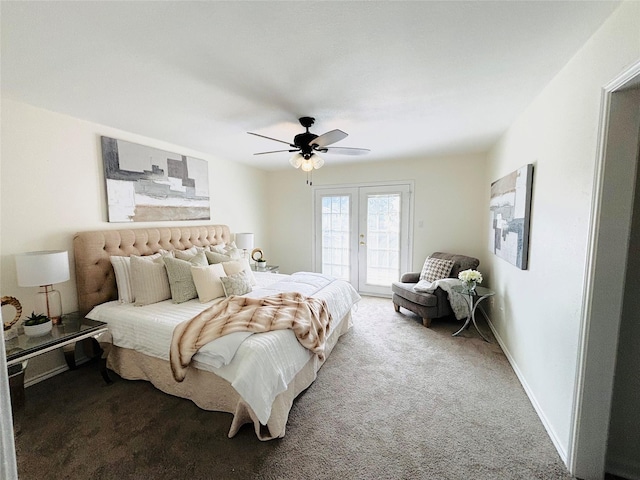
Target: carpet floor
{"points": [[393, 401]]}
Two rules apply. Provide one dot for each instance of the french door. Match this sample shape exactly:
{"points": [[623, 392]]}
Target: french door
{"points": [[362, 234]]}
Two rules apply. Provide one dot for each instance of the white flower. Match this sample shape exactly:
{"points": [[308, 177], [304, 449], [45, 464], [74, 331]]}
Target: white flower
{"points": [[468, 276]]}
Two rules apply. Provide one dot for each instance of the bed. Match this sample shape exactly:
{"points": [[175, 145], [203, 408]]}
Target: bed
{"points": [[255, 377]]}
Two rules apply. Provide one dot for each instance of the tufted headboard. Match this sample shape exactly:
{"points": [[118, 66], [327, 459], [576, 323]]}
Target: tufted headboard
{"points": [[95, 278]]}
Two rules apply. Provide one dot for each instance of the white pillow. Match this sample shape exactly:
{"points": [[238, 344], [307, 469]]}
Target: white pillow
{"points": [[189, 253], [218, 248], [149, 280], [122, 269], [207, 281], [236, 266]]}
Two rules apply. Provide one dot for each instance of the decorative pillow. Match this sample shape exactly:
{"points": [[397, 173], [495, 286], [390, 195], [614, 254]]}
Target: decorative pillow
{"points": [[234, 252], [435, 269], [219, 248], [215, 257], [180, 279], [149, 280], [189, 253], [241, 265], [207, 281], [236, 284], [122, 269]]}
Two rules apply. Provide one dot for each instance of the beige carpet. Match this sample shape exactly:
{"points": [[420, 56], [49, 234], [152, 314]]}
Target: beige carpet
{"points": [[395, 401]]}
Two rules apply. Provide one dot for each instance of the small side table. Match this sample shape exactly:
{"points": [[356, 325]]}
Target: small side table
{"points": [[473, 299], [74, 328], [266, 268]]}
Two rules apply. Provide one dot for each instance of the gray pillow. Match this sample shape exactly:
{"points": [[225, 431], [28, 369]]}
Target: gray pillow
{"points": [[215, 257], [236, 284], [180, 278]]}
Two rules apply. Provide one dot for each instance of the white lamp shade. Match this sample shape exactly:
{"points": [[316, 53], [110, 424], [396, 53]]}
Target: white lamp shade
{"points": [[296, 160], [307, 165], [35, 269], [244, 241], [317, 161]]}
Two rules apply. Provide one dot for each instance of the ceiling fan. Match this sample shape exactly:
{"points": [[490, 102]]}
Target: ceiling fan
{"points": [[307, 145]]}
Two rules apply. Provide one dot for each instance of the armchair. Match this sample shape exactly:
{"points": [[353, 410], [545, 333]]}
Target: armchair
{"points": [[429, 305]]}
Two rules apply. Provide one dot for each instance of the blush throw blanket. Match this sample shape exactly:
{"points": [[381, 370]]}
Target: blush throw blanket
{"points": [[308, 317]]}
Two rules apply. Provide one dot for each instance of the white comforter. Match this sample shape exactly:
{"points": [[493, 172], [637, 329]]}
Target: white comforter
{"points": [[258, 366]]}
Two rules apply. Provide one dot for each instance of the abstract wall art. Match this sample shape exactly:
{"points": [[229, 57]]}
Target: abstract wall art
{"points": [[146, 184], [510, 208]]}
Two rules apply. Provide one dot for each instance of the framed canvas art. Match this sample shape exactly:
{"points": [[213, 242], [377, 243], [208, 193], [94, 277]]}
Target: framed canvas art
{"points": [[146, 184], [510, 208]]}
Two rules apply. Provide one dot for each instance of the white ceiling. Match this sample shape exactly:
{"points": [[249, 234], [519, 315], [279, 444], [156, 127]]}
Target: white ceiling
{"points": [[404, 79]]}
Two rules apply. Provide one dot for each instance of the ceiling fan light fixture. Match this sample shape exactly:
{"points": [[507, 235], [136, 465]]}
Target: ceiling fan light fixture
{"points": [[297, 160], [307, 165], [317, 161]]}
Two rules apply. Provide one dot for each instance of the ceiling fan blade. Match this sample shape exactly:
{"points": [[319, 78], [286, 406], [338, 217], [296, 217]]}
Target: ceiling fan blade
{"points": [[270, 138], [345, 150], [328, 138], [275, 151]]}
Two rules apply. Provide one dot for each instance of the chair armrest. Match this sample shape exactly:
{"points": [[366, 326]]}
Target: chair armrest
{"points": [[410, 277]]}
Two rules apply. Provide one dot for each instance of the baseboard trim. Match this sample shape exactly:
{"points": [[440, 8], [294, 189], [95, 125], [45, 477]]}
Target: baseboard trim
{"points": [[532, 398]]}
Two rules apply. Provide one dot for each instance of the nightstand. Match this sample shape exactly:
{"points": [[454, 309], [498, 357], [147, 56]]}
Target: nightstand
{"points": [[267, 268], [73, 328]]}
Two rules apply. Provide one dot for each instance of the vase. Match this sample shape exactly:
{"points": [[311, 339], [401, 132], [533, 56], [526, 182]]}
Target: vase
{"points": [[470, 286]]}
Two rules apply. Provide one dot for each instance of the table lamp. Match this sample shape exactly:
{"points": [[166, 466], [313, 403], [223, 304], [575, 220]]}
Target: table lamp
{"points": [[43, 269], [244, 241]]}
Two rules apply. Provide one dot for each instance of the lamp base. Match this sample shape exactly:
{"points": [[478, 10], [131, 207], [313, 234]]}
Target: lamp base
{"points": [[49, 302]]}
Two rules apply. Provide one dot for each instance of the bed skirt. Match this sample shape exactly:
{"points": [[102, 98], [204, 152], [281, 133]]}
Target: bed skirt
{"points": [[211, 392]]}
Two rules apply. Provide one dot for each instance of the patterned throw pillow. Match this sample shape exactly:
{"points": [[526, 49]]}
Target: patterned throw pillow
{"points": [[180, 278], [236, 284], [435, 269]]}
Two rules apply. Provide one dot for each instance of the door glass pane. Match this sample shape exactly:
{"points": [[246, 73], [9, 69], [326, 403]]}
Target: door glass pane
{"points": [[383, 239], [336, 236]]}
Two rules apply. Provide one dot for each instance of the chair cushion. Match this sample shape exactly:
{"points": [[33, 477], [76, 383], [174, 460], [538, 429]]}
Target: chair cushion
{"points": [[435, 269], [405, 290]]}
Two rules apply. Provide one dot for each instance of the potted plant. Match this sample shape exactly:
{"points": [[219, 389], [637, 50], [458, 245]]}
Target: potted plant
{"points": [[261, 264], [37, 325]]}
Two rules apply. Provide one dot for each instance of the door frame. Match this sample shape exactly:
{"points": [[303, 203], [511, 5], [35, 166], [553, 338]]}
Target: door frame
{"points": [[337, 187], [363, 217], [604, 281]]}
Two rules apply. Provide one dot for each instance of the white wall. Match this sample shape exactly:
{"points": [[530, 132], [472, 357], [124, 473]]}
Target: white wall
{"points": [[537, 312], [451, 198], [52, 186]]}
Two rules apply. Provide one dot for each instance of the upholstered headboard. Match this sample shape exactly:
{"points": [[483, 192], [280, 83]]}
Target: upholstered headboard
{"points": [[95, 278]]}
